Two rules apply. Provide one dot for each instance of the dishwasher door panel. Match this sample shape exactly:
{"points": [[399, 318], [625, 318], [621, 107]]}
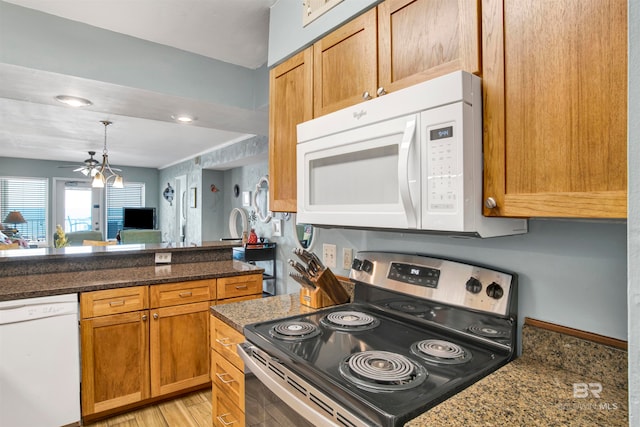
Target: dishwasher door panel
{"points": [[39, 362]]}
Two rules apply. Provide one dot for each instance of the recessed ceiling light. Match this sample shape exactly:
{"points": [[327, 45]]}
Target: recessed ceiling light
{"points": [[183, 118], [73, 101]]}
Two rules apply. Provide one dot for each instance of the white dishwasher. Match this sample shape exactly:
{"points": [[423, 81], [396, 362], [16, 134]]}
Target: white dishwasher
{"points": [[39, 362]]}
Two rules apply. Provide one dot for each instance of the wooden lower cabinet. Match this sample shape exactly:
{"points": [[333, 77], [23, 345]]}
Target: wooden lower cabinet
{"points": [[227, 375], [115, 361], [179, 338], [144, 342]]}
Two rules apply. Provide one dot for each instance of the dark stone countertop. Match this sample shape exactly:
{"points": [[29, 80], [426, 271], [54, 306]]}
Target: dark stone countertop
{"points": [[102, 251], [536, 389], [35, 285]]}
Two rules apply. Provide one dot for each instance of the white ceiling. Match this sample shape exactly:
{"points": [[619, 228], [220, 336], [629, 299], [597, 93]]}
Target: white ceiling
{"points": [[36, 126]]}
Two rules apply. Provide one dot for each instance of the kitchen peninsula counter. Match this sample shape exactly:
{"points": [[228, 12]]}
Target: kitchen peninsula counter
{"points": [[36, 285], [43, 272], [536, 389]]}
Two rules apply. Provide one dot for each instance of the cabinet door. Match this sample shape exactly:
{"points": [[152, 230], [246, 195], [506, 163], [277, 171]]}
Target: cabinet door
{"points": [[179, 347], [555, 102], [290, 103], [422, 39], [344, 65], [115, 361]]}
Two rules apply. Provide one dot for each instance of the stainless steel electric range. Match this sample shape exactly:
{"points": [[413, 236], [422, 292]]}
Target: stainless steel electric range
{"points": [[419, 330]]}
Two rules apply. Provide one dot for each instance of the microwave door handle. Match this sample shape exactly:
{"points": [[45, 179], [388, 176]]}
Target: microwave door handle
{"points": [[403, 172]]}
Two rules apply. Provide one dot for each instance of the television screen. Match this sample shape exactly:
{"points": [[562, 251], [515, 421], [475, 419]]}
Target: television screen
{"points": [[141, 218]]}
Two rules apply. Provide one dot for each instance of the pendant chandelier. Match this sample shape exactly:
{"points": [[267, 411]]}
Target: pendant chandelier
{"points": [[105, 172]]}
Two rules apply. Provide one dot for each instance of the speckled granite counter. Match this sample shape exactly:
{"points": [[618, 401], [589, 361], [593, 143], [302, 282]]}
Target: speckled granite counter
{"points": [[535, 390], [34, 285]]}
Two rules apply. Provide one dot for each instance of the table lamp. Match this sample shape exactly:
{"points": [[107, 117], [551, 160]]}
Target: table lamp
{"points": [[15, 218]]}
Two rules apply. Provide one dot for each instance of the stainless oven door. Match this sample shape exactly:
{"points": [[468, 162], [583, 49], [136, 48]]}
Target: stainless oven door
{"points": [[274, 394]]}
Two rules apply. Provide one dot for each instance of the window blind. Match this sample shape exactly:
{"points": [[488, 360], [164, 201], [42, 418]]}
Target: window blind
{"points": [[131, 196], [29, 196]]}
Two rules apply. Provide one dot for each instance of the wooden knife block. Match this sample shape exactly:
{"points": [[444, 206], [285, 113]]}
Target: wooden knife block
{"points": [[315, 299], [328, 292]]}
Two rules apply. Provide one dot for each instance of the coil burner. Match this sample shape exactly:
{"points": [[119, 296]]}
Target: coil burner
{"points": [[441, 352], [350, 321], [294, 331], [489, 331], [382, 371]]}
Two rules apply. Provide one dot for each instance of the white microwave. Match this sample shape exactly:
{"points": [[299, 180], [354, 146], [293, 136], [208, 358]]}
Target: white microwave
{"points": [[409, 160]]}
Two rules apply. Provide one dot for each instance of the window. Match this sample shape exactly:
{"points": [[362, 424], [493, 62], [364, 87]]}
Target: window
{"points": [[131, 196], [29, 196]]}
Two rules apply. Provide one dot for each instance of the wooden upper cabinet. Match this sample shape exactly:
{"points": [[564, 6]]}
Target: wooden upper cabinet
{"points": [[344, 65], [422, 39], [555, 107], [290, 103]]}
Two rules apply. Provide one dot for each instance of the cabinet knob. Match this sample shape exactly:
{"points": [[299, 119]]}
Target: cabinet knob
{"points": [[490, 203], [155, 316], [366, 95], [144, 317], [381, 91]]}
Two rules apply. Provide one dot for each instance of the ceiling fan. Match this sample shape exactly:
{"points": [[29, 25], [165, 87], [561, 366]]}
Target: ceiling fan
{"points": [[89, 168]]}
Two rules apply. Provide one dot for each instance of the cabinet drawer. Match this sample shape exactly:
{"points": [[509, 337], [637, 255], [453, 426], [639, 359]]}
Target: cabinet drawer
{"points": [[227, 379], [224, 340], [182, 292], [225, 413], [238, 286], [113, 301]]}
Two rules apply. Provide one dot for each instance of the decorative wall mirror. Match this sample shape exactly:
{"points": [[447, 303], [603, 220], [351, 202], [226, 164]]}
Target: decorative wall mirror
{"points": [[261, 199], [304, 234], [238, 217]]}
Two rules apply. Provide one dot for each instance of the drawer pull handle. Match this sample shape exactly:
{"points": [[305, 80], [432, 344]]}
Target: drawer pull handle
{"points": [[220, 377], [224, 342], [241, 287], [222, 420], [185, 294], [116, 303]]}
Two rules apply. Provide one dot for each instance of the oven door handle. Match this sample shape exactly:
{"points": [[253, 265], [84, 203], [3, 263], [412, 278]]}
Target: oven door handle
{"points": [[297, 404]]}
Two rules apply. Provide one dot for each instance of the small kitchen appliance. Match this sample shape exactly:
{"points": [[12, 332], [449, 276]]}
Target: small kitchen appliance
{"points": [[420, 329], [409, 160]]}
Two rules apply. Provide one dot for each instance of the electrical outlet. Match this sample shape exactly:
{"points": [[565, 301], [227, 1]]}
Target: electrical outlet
{"points": [[347, 258], [329, 255], [163, 257]]}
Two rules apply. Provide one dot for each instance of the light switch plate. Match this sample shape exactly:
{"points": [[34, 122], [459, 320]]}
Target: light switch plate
{"points": [[329, 255]]}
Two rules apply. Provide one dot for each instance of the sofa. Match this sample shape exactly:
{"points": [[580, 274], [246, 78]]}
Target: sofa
{"points": [[140, 236], [75, 238]]}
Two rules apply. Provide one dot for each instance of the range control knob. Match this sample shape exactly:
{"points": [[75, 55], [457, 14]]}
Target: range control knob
{"points": [[356, 264], [473, 285], [495, 291], [367, 266]]}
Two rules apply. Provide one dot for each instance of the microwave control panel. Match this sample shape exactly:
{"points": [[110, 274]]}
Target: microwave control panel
{"points": [[442, 167]]}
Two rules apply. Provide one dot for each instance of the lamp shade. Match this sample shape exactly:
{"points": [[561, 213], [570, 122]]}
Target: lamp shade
{"points": [[14, 217]]}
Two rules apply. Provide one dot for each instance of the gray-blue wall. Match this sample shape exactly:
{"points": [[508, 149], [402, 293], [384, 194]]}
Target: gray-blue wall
{"points": [[26, 168], [573, 273]]}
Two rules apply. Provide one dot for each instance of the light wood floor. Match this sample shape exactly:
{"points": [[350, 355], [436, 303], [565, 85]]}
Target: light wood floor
{"points": [[192, 410]]}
